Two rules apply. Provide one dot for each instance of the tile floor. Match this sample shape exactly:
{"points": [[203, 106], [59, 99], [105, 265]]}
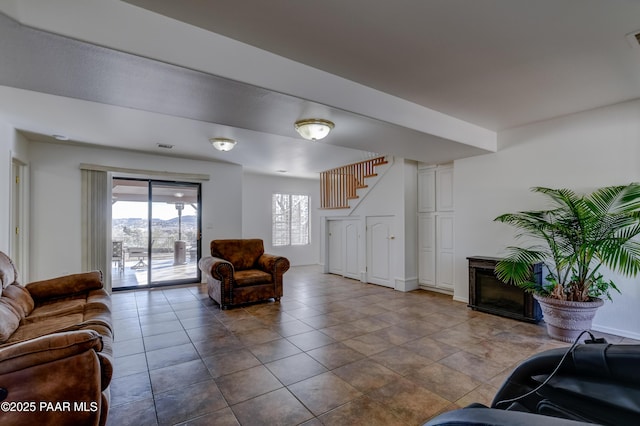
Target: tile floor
{"points": [[334, 351]]}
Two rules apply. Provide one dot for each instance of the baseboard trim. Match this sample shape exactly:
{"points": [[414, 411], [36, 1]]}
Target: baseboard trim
{"points": [[406, 285], [461, 299], [616, 332], [437, 290]]}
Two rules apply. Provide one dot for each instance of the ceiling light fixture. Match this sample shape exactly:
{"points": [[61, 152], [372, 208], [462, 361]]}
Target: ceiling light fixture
{"points": [[61, 137], [313, 129], [222, 144]]}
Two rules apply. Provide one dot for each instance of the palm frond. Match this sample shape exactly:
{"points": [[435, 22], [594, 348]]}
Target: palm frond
{"points": [[622, 199], [621, 255], [577, 235], [516, 267], [562, 197]]}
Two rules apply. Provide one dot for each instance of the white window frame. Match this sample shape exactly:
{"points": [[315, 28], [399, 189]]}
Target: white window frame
{"points": [[287, 221]]}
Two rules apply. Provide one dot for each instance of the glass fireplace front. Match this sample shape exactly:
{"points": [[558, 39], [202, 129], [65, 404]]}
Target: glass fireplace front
{"points": [[488, 294], [494, 294]]}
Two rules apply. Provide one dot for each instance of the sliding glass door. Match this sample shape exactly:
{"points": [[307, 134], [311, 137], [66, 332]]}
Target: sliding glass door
{"points": [[174, 231], [155, 232]]}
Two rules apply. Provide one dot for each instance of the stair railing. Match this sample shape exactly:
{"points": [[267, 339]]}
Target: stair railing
{"points": [[339, 185]]}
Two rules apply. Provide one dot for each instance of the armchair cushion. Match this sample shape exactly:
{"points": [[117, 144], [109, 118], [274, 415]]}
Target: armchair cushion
{"points": [[251, 277], [243, 254]]}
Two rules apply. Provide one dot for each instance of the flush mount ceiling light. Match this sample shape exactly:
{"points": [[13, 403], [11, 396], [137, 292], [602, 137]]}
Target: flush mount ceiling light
{"points": [[313, 129], [222, 144]]}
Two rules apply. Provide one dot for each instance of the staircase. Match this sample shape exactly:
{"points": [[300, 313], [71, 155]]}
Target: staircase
{"points": [[339, 185]]}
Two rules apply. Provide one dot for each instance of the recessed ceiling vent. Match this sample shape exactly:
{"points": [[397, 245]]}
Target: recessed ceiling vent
{"points": [[634, 39], [164, 145]]}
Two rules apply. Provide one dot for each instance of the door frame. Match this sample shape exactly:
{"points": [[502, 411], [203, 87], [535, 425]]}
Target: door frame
{"points": [[19, 218], [150, 182]]}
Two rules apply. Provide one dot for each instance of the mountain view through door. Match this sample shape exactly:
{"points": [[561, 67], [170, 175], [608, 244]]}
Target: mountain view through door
{"points": [[155, 233]]}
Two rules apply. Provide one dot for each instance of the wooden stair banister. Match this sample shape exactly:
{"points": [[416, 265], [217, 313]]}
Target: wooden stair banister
{"points": [[339, 185]]}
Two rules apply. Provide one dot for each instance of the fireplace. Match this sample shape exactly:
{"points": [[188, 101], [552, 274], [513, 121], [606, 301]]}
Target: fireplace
{"points": [[488, 294]]}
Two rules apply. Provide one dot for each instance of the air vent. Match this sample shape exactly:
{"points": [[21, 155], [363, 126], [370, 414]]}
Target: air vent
{"points": [[164, 146]]}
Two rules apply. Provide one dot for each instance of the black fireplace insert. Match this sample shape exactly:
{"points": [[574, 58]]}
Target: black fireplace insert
{"points": [[488, 294]]}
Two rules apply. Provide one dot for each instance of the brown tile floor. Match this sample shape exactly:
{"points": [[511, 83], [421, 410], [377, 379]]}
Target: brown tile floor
{"points": [[334, 351]]}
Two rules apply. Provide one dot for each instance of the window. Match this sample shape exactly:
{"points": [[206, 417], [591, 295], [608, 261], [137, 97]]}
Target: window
{"points": [[290, 215]]}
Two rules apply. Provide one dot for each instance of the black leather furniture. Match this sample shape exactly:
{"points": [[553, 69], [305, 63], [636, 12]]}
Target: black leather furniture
{"points": [[596, 383], [492, 417]]}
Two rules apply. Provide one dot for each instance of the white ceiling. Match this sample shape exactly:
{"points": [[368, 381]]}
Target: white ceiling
{"points": [[494, 63], [427, 80]]}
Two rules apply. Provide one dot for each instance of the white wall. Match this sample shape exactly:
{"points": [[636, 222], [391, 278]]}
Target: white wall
{"points": [[582, 151], [56, 200], [256, 214]]}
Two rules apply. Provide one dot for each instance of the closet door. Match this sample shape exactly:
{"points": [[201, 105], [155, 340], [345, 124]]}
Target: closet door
{"points": [[351, 249], [379, 248], [427, 249], [336, 243], [436, 228], [444, 189], [426, 190], [444, 251]]}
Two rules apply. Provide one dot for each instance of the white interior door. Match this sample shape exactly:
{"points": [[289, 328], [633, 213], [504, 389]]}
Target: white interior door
{"points": [[336, 256], [427, 249], [379, 244], [351, 249], [445, 251]]}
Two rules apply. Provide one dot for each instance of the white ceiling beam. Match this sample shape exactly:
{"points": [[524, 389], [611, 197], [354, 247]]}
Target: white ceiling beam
{"points": [[124, 27]]}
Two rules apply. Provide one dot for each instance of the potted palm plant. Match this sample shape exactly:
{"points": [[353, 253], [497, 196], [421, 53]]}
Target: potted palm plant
{"points": [[574, 239]]}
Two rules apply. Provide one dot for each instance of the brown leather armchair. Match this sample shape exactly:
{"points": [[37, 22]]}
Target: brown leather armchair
{"points": [[55, 349], [239, 271]]}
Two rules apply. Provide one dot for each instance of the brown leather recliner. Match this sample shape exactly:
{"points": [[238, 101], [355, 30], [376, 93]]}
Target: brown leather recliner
{"points": [[239, 271], [55, 349]]}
